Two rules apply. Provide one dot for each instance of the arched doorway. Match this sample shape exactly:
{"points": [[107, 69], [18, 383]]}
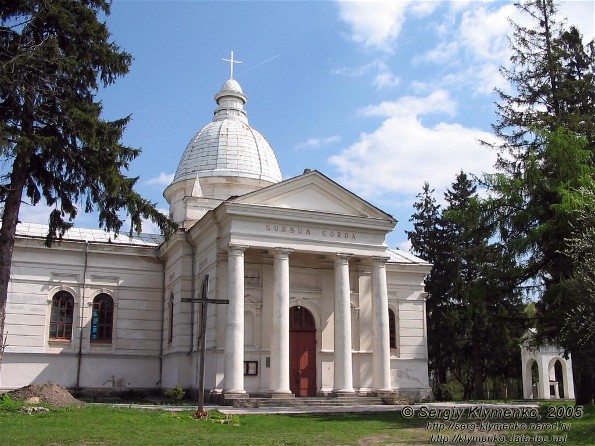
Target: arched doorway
{"points": [[559, 376], [534, 380], [302, 352]]}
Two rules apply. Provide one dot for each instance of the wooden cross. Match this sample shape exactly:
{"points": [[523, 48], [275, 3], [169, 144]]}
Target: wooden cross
{"points": [[203, 301], [231, 62]]}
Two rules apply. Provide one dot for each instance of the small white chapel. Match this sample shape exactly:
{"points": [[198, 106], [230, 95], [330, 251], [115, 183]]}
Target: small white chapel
{"points": [[304, 297]]}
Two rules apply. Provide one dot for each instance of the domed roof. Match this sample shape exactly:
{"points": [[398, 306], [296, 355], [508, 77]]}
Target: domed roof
{"points": [[228, 146]]}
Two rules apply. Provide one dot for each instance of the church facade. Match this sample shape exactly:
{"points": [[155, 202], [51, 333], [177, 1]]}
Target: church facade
{"points": [[304, 297]]}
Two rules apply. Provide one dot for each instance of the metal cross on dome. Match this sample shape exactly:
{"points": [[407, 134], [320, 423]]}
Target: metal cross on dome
{"points": [[231, 62]]}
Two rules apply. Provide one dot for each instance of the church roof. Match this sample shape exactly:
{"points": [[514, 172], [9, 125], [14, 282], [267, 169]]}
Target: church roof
{"points": [[36, 230], [229, 146], [399, 256]]}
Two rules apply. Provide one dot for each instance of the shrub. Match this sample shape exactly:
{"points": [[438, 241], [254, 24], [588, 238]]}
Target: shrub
{"points": [[444, 392], [175, 393]]}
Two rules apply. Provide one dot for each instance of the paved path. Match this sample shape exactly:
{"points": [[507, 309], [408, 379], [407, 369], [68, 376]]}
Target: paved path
{"points": [[319, 409]]}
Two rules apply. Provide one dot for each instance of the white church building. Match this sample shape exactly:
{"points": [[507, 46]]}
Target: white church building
{"points": [[317, 303]]}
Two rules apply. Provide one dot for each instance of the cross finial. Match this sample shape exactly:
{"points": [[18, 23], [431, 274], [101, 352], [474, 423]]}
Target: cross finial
{"points": [[231, 62]]}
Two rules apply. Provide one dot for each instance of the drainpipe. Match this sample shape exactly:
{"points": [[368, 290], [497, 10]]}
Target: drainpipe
{"points": [[158, 383], [192, 297], [82, 313]]}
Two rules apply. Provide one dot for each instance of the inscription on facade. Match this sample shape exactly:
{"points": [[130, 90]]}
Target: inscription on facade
{"points": [[302, 230]]}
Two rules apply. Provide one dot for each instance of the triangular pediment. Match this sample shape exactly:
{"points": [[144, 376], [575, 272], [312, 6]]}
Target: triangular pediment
{"points": [[313, 191]]}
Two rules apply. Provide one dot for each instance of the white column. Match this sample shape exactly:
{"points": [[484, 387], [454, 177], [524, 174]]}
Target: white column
{"points": [[568, 379], [280, 324], [234, 323], [343, 378], [543, 390], [381, 350]]}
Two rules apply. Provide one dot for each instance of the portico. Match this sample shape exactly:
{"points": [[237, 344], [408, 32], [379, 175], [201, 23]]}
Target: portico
{"points": [[280, 373], [338, 246]]}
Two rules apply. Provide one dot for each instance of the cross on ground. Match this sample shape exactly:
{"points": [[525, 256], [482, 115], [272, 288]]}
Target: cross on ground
{"points": [[203, 301]]}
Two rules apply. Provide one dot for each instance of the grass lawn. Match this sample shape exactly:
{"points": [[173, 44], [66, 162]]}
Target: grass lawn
{"points": [[103, 425]]}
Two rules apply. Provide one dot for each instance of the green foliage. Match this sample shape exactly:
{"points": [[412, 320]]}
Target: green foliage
{"points": [[475, 321], [55, 55], [444, 392], [546, 151], [8, 404], [54, 145], [176, 393]]}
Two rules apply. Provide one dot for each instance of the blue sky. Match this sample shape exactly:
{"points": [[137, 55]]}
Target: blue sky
{"points": [[379, 96]]}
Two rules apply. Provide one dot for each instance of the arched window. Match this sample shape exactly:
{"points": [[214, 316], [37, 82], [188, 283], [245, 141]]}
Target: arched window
{"points": [[61, 316], [102, 318], [170, 328], [392, 329]]}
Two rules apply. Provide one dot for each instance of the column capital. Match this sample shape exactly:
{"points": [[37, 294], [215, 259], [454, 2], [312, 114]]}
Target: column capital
{"points": [[380, 259], [237, 249], [280, 251], [343, 255]]}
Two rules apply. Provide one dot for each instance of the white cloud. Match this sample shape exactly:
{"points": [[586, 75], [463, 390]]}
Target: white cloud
{"points": [[383, 77], [317, 143], [374, 24], [580, 13], [474, 48], [403, 152], [35, 214], [164, 179], [436, 102], [405, 245], [484, 32]]}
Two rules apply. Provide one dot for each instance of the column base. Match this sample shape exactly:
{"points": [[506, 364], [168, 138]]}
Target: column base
{"points": [[385, 392], [281, 395], [234, 394], [343, 393]]}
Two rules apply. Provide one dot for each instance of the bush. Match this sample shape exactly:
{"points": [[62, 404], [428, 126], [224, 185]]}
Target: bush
{"points": [[8, 404], [175, 393], [444, 392]]}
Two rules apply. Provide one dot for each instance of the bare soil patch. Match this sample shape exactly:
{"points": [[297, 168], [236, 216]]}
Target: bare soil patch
{"points": [[49, 393]]}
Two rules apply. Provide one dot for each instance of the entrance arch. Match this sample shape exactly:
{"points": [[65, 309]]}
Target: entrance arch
{"points": [[559, 378], [302, 352]]}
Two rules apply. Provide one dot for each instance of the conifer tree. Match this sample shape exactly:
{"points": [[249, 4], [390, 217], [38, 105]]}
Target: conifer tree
{"points": [[577, 320], [54, 145], [475, 320], [547, 149], [426, 243]]}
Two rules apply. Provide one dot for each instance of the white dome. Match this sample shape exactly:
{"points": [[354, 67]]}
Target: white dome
{"points": [[228, 146]]}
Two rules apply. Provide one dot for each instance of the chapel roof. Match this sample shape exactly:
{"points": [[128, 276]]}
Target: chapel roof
{"points": [[37, 230], [228, 146], [402, 257]]}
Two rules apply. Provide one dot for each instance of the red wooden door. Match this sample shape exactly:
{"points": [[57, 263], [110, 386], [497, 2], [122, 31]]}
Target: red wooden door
{"points": [[302, 352]]}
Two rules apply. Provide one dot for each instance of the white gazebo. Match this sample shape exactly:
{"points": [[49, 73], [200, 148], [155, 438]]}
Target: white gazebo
{"points": [[547, 374]]}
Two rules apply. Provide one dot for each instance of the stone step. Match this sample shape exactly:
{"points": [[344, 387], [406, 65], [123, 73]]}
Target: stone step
{"points": [[308, 401]]}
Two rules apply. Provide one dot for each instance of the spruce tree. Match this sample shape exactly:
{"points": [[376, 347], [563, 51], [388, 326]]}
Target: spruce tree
{"points": [[546, 129], [486, 316], [576, 321], [54, 145], [475, 320], [426, 243]]}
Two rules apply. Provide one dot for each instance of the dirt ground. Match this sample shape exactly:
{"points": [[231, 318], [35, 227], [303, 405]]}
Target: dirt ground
{"points": [[52, 394]]}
